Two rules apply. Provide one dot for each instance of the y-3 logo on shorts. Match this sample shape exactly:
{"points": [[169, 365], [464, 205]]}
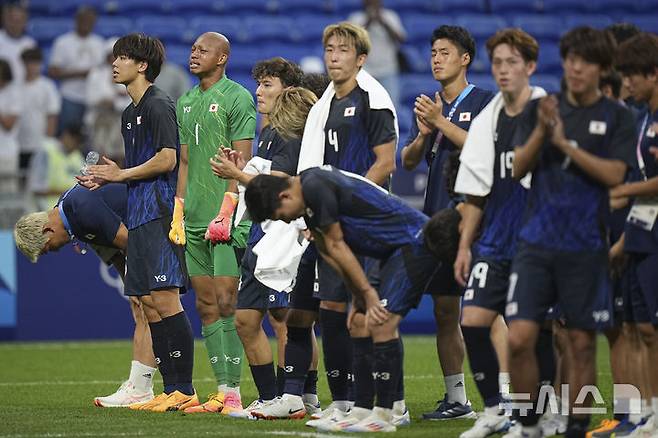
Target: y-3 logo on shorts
{"points": [[160, 278]]}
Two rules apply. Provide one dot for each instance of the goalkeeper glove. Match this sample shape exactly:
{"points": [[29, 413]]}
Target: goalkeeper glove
{"points": [[177, 231], [219, 229]]}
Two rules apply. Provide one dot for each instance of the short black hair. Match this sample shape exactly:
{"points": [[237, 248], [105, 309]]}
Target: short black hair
{"points": [[32, 54], [459, 36], [638, 55], [593, 45], [262, 196], [289, 73], [142, 48], [5, 71], [316, 82], [441, 234], [623, 31], [611, 79]]}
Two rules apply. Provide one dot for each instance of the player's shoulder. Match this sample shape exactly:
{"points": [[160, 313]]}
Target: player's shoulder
{"points": [[481, 95], [236, 89], [157, 100]]}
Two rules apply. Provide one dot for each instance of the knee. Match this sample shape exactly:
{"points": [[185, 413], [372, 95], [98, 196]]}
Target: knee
{"points": [[301, 318], [358, 327], [519, 343], [226, 302], [206, 309], [446, 313], [583, 347]]}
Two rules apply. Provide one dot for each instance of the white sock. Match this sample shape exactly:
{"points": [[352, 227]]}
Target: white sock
{"points": [[504, 381], [492, 410], [223, 388], [399, 407], [654, 405], [636, 418], [235, 390], [455, 388], [141, 376], [383, 413], [343, 405]]}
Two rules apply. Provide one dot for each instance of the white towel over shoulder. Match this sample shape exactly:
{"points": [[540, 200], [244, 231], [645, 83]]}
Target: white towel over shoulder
{"points": [[255, 166], [475, 176], [312, 149]]}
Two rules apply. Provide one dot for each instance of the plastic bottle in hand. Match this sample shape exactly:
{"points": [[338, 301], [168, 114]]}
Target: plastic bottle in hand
{"points": [[91, 159]]}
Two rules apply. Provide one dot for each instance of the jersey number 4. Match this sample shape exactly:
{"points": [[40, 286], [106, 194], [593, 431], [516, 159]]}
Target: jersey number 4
{"points": [[332, 137]]}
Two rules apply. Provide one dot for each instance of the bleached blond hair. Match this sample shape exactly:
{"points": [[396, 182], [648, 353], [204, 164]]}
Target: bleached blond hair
{"points": [[290, 110], [29, 236]]}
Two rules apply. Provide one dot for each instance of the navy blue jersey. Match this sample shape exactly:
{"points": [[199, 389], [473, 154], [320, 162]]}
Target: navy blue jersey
{"points": [[147, 128], [353, 129], [374, 223], [567, 210], [637, 239], [95, 215], [436, 193], [284, 155], [503, 213]]}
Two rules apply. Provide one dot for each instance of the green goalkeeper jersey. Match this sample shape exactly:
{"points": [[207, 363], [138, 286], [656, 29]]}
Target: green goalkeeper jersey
{"points": [[208, 119]]}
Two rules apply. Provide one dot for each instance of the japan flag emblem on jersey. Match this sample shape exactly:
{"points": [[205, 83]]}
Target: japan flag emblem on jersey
{"points": [[139, 120], [349, 111], [464, 117], [213, 108], [597, 128]]}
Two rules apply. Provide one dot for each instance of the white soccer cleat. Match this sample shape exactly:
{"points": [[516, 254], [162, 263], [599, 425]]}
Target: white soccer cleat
{"points": [[354, 416], [553, 424], [125, 396], [646, 430], [246, 412], [379, 420], [286, 407], [518, 431], [332, 414], [401, 415], [487, 425]]}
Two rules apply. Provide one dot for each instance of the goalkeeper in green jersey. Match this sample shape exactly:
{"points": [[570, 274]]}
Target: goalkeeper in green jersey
{"points": [[217, 112]]}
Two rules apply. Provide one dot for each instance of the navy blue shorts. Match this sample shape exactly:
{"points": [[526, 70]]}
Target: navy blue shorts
{"points": [[252, 294], [642, 291], [444, 283], [152, 261], [306, 287], [488, 284], [331, 286], [404, 277], [578, 282]]}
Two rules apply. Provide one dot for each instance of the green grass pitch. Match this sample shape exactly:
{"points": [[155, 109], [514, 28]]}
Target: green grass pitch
{"points": [[47, 389]]}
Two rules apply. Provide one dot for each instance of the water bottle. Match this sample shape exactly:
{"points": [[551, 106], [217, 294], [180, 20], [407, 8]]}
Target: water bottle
{"points": [[91, 159]]}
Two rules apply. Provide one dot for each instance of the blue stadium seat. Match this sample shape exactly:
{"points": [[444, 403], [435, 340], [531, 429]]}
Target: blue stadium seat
{"points": [[269, 28], [549, 59], [196, 7], [513, 7], [412, 85], [291, 52], [231, 27], [481, 63], [309, 27], [243, 58], [647, 6], [549, 83], [610, 7], [484, 81], [418, 60], [291, 8], [545, 28], [345, 7], [245, 80], [413, 6], [250, 7], [169, 29], [45, 30], [113, 26], [566, 6], [137, 7], [596, 21], [68, 7], [462, 7], [179, 54], [419, 27], [405, 117], [644, 22], [39, 7], [481, 26]]}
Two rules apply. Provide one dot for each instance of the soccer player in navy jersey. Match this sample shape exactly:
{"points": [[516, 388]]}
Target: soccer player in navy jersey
{"points": [[495, 218], [637, 61], [581, 144], [349, 216], [154, 269], [96, 218], [439, 127]]}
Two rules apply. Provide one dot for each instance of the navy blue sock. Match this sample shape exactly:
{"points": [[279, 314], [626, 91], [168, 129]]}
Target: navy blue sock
{"points": [[299, 352], [364, 385], [162, 358], [577, 427], [337, 347], [264, 380], [280, 380], [387, 370], [484, 363], [400, 394], [181, 350], [311, 382], [545, 357]]}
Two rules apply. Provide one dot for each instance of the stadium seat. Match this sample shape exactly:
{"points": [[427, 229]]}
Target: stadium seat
{"points": [[646, 6], [412, 85], [113, 26], [136, 7], [68, 7], [566, 6], [419, 27], [418, 60], [298, 7], [45, 30], [292, 52], [245, 80], [413, 6], [179, 54], [231, 27], [309, 27], [169, 29], [39, 7], [596, 21], [483, 80], [481, 26], [644, 22], [270, 28], [549, 59], [513, 7], [243, 58], [545, 28], [549, 83], [192, 8], [481, 62], [462, 7], [611, 7], [345, 7]]}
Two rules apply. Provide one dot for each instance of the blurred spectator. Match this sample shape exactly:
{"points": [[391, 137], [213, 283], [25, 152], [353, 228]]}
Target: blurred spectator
{"points": [[10, 110], [105, 103], [74, 55], [13, 40], [386, 35], [41, 105], [55, 166], [173, 80]]}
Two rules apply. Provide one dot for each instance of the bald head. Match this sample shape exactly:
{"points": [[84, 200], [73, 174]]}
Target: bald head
{"points": [[216, 41]]}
